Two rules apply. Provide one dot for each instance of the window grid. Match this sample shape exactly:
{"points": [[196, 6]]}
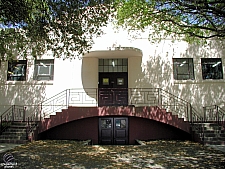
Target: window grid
{"points": [[44, 69], [183, 68], [211, 68], [113, 65], [17, 70]]}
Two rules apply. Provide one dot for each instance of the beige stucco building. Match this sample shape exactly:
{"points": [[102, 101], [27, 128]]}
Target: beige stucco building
{"points": [[119, 59]]}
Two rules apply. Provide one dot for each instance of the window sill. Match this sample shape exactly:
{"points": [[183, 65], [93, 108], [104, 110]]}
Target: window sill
{"points": [[199, 81], [33, 82]]}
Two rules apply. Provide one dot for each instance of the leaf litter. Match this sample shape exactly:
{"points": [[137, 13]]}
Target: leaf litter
{"points": [[159, 154]]}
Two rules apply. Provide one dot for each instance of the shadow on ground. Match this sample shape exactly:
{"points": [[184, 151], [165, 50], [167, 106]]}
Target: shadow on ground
{"points": [[155, 154]]}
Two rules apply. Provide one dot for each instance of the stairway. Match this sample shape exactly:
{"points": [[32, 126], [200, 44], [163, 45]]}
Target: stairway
{"points": [[211, 134], [16, 133]]}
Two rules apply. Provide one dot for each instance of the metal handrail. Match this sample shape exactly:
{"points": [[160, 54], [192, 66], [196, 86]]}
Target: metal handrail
{"points": [[13, 113], [215, 114], [136, 97], [197, 123], [89, 97]]}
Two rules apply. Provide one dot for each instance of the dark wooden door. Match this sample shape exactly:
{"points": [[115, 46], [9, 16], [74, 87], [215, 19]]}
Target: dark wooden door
{"points": [[113, 89], [113, 130]]}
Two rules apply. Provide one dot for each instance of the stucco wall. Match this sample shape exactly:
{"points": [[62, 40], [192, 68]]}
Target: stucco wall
{"points": [[149, 67]]}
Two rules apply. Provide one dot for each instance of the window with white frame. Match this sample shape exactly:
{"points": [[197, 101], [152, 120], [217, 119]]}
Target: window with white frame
{"points": [[44, 69], [17, 70], [183, 68], [212, 68]]}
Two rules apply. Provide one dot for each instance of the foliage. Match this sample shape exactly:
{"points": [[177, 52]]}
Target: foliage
{"points": [[195, 20], [65, 27]]}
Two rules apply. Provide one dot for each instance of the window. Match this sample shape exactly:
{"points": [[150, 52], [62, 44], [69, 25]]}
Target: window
{"points": [[17, 70], [44, 69], [183, 68], [212, 68], [112, 65]]}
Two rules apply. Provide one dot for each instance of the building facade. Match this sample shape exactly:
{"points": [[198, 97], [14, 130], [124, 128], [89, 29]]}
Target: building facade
{"points": [[193, 73], [124, 63]]}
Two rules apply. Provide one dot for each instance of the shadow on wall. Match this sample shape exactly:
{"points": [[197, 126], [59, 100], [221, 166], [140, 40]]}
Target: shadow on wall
{"points": [[156, 71], [90, 68], [89, 75], [27, 93], [201, 92]]}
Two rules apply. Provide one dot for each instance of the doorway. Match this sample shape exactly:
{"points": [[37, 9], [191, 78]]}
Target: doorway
{"points": [[113, 89], [113, 131], [113, 82]]}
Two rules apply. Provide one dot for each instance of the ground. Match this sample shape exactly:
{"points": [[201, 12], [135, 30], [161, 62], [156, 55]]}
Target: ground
{"points": [[73, 154]]}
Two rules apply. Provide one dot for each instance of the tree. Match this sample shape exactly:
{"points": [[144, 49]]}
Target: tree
{"points": [[65, 27], [191, 20]]}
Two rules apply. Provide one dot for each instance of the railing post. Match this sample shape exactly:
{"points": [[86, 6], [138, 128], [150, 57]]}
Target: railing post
{"points": [[187, 114], [190, 114], [68, 98], [129, 96], [204, 114], [217, 114], [159, 98], [13, 111], [24, 113], [1, 126], [97, 94], [40, 110]]}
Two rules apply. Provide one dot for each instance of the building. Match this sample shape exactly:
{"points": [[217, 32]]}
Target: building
{"points": [[117, 87]]}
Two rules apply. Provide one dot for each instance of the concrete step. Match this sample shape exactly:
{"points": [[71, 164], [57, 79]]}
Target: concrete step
{"points": [[13, 141], [209, 128], [17, 133], [213, 138], [19, 123], [15, 130], [214, 142], [222, 133], [22, 137], [214, 134]]}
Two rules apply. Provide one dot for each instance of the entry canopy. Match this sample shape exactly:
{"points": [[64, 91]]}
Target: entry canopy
{"points": [[118, 52]]}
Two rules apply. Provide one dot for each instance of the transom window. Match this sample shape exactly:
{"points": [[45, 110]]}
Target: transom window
{"points": [[183, 68], [212, 68], [17, 70], [44, 69], [113, 65]]}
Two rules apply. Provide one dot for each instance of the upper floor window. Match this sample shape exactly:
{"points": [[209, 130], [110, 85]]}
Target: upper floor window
{"points": [[17, 70], [183, 68], [44, 69], [212, 68]]}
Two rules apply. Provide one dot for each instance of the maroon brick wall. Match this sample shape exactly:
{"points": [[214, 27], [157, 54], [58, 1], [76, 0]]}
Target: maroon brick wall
{"points": [[139, 128], [146, 129], [82, 129]]}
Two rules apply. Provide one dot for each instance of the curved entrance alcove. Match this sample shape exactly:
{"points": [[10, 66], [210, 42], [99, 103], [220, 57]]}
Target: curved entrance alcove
{"points": [[90, 72]]}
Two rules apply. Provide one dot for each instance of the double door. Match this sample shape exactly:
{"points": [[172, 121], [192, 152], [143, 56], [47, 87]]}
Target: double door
{"points": [[113, 89], [113, 130]]}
